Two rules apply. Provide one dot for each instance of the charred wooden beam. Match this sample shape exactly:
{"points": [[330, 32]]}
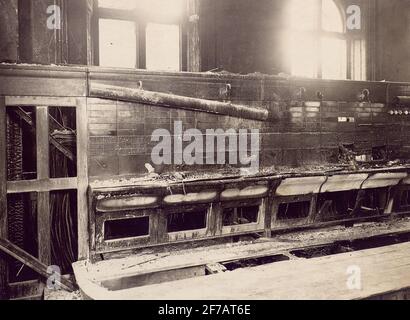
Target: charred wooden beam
{"points": [[174, 101], [24, 115], [28, 119], [65, 151], [17, 253], [43, 198]]}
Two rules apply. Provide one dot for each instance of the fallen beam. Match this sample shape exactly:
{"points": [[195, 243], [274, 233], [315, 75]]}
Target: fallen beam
{"points": [[33, 263], [24, 115], [174, 101], [27, 118], [65, 151]]}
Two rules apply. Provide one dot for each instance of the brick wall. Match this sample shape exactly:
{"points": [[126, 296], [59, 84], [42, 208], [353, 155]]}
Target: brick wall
{"points": [[308, 133]]}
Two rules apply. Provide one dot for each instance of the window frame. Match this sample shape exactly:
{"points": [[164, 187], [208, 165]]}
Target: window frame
{"points": [[140, 22], [319, 34]]}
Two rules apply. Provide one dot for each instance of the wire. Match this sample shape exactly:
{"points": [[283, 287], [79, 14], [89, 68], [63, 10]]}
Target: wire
{"points": [[63, 204]]}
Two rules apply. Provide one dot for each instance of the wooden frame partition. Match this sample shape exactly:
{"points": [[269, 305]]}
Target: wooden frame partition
{"points": [[43, 185]]}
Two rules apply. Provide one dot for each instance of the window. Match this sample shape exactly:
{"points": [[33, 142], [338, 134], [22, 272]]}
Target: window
{"points": [[118, 47], [137, 33], [318, 45], [160, 39]]}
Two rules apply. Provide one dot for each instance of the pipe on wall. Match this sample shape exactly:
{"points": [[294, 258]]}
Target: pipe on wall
{"points": [[182, 102]]}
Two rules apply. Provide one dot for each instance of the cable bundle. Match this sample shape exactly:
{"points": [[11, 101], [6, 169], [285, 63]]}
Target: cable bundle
{"points": [[63, 204]]}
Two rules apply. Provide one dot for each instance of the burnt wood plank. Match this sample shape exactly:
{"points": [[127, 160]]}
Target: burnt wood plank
{"points": [[44, 81], [43, 172], [43, 147], [15, 252], [45, 185], [20, 101], [82, 173], [44, 227]]}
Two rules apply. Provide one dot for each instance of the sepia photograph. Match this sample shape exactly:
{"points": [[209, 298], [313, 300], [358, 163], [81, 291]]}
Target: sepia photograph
{"points": [[204, 155]]}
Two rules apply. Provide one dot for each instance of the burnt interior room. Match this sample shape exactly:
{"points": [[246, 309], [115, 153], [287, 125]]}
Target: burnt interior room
{"points": [[150, 146]]}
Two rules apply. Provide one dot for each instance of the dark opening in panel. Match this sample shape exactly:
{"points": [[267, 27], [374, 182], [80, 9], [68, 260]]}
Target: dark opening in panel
{"points": [[294, 210], [404, 200], [126, 228], [372, 201], [63, 142], [22, 231], [241, 215], [185, 221], [21, 143], [336, 205]]}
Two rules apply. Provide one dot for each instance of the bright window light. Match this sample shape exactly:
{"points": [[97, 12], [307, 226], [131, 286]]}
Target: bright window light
{"points": [[331, 17], [358, 57], [162, 50], [118, 4], [315, 49], [303, 54], [117, 43], [170, 9], [304, 15], [334, 58]]}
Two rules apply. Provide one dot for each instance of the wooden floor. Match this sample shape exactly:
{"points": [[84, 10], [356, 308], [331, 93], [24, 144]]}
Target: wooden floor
{"points": [[383, 270], [149, 261]]}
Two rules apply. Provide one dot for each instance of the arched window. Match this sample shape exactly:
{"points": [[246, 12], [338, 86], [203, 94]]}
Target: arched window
{"points": [[317, 42]]}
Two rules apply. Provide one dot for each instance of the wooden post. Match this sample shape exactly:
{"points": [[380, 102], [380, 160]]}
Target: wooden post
{"points": [[82, 177], [61, 35], [215, 219], [43, 172], [194, 45], [9, 37], [313, 208], [393, 196], [3, 198], [373, 64], [141, 38], [92, 34], [268, 215]]}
